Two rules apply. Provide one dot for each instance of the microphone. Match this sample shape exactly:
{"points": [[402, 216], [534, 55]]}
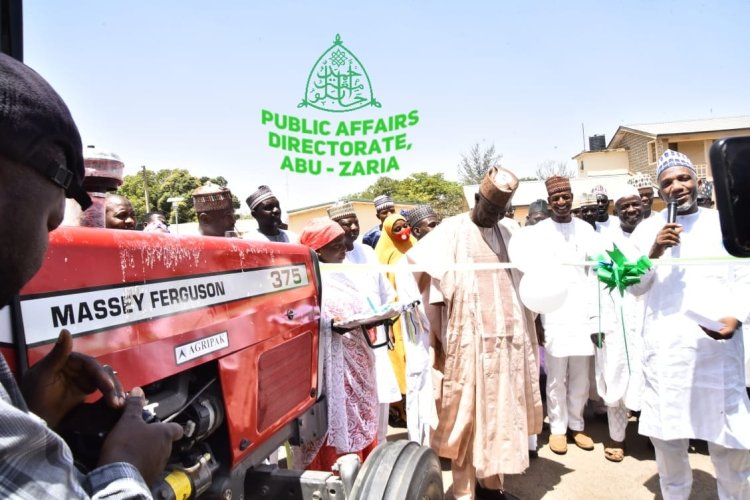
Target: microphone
{"points": [[671, 210]]}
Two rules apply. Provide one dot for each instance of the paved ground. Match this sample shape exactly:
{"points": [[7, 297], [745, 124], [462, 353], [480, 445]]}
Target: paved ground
{"points": [[587, 475]]}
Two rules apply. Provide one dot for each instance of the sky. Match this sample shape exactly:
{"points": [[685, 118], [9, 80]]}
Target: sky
{"points": [[182, 83]]}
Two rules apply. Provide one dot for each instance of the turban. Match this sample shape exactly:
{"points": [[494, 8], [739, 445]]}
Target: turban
{"points": [[626, 191], [382, 202], [418, 214], [319, 232], [262, 194], [640, 180], [671, 159], [557, 184], [498, 186], [33, 117], [211, 197], [587, 199], [341, 210]]}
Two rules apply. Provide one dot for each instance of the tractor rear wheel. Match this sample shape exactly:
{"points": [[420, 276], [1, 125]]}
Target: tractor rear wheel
{"points": [[399, 470]]}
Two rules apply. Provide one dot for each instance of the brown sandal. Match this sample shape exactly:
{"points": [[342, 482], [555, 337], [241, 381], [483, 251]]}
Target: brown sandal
{"points": [[614, 451]]}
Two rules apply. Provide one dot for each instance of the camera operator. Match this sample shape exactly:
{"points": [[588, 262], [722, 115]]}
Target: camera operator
{"points": [[41, 163]]}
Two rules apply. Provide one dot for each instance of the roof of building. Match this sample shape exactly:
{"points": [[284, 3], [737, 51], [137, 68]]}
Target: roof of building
{"points": [[684, 127], [529, 191], [355, 201], [589, 152]]}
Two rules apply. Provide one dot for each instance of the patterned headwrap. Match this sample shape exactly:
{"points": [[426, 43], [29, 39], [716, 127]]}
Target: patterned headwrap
{"points": [[382, 202], [259, 196], [557, 184], [341, 210], [211, 197], [672, 159], [319, 232], [418, 214]]}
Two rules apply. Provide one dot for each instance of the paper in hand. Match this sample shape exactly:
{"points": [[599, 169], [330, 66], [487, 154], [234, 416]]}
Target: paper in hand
{"points": [[704, 321]]}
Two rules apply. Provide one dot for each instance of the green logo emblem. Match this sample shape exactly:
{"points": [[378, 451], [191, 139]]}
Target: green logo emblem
{"points": [[338, 82]]}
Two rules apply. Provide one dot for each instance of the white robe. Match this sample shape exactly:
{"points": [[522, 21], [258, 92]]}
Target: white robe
{"points": [[694, 385], [567, 330], [618, 363], [376, 286]]}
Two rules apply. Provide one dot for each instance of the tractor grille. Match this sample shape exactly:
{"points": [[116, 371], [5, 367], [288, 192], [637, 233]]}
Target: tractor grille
{"points": [[284, 379]]}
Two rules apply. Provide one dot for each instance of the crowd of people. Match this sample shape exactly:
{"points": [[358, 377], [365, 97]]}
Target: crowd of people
{"points": [[462, 365]]}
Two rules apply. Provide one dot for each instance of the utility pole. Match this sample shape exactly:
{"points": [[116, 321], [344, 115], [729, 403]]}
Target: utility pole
{"points": [[145, 187]]}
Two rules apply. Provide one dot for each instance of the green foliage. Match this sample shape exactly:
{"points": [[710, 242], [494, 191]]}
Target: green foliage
{"points": [[165, 184], [474, 165], [446, 197]]}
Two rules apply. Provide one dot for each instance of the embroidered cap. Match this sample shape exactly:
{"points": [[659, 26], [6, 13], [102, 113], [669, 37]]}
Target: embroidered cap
{"points": [[557, 184], [599, 190], [382, 202], [262, 194], [418, 214], [210, 197], [341, 210], [640, 180], [671, 159]]}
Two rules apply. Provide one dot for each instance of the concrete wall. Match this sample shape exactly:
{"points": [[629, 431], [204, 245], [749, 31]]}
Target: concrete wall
{"points": [[602, 161], [365, 211]]}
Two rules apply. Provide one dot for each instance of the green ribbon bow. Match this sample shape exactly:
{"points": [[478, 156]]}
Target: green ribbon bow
{"points": [[619, 273]]}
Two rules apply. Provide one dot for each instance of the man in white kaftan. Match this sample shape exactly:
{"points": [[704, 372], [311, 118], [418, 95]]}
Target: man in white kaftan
{"points": [[619, 379], [568, 348], [694, 377], [488, 398]]}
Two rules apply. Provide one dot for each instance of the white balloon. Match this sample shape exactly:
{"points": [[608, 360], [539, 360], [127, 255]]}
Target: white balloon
{"points": [[544, 290]]}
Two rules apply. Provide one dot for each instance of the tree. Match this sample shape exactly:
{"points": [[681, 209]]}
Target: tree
{"points": [[474, 166], [548, 168], [165, 184], [446, 197]]}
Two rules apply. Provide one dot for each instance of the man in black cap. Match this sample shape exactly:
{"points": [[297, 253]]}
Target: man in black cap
{"points": [[538, 211], [266, 210], [41, 163], [384, 207], [422, 220]]}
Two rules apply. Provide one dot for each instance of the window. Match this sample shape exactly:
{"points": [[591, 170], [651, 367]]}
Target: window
{"points": [[651, 149], [673, 146]]}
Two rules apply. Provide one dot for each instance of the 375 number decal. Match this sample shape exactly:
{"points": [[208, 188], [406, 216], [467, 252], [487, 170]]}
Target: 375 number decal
{"points": [[286, 277]]}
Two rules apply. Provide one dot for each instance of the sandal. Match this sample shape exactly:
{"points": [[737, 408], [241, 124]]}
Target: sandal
{"points": [[614, 451]]}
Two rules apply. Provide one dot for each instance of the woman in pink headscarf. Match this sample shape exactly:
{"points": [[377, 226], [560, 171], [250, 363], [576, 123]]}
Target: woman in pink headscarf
{"points": [[350, 381]]}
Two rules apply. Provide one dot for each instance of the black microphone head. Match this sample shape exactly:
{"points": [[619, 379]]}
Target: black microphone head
{"points": [[672, 210]]}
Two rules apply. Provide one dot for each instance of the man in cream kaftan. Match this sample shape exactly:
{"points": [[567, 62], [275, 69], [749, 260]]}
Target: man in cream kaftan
{"points": [[694, 377], [489, 400]]}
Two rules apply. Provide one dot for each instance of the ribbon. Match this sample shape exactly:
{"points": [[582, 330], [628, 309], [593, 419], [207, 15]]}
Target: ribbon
{"points": [[619, 273]]}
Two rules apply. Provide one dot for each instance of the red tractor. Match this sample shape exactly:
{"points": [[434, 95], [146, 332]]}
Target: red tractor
{"points": [[223, 336]]}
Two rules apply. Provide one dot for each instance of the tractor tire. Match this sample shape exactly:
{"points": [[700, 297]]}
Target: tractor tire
{"points": [[400, 470]]}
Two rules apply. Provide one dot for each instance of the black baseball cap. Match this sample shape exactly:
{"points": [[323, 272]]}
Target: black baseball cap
{"points": [[32, 117]]}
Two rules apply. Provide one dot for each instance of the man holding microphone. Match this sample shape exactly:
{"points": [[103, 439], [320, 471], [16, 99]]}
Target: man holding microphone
{"points": [[692, 360]]}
